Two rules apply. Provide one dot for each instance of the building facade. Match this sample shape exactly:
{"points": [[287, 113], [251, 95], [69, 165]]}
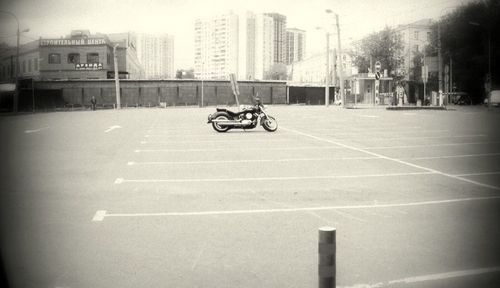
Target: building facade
{"points": [[78, 56], [264, 43], [156, 54], [128, 59], [295, 45], [246, 44], [216, 47], [29, 62], [279, 37], [312, 70], [416, 36]]}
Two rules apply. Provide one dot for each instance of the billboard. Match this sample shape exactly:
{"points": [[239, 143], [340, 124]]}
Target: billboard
{"points": [[88, 66], [72, 42]]}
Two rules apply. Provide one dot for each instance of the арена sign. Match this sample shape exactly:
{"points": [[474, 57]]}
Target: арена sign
{"points": [[72, 42], [88, 66]]}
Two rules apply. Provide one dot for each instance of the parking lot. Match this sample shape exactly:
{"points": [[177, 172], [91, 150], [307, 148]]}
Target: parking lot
{"points": [[156, 198]]}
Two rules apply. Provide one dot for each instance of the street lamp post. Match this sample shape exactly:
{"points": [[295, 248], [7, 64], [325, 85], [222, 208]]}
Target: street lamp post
{"points": [[117, 81], [18, 34], [327, 74], [202, 68], [341, 69], [440, 64]]}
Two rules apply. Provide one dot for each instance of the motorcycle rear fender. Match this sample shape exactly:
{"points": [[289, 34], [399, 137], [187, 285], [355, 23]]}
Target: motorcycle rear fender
{"points": [[213, 116]]}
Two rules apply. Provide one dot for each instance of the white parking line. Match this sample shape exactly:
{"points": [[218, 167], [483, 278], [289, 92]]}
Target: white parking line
{"points": [[217, 141], [101, 214], [435, 137], [237, 149], [425, 145], [131, 163], [250, 179], [479, 174], [452, 156], [36, 130], [209, 136], [112, 128], [214, 135], [429, 277], [386, 131], [365, 150]]}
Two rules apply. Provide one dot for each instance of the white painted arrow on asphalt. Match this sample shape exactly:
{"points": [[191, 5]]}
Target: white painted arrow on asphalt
{"points": [[112, 128], [35, 130]]}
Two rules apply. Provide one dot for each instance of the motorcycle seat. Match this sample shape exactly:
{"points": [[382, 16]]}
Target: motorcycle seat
{"points": [[231, 113]]}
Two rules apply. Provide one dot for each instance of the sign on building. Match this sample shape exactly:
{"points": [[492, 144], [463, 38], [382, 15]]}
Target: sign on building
{"points": [[72, 42], [88, 66]]}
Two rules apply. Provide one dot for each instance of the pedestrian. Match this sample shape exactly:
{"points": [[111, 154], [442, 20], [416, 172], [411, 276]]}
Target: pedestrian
{"points": [[94, 102]]}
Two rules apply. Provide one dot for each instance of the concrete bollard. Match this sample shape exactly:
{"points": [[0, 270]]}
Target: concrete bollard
{"points": [[326, 257]]}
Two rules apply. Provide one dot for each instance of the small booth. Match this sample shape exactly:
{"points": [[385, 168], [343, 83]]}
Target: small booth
{"points": [[365, 89]]}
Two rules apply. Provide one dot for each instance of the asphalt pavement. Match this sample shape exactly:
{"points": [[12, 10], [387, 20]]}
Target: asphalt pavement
{"points": [[156, 198]]}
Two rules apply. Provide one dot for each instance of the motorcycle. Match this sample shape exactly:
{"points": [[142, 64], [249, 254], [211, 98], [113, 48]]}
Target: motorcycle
{"points": [[223, 119]]}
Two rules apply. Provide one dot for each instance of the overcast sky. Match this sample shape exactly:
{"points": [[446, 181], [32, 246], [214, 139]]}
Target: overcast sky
{"points": [[55, 18]]}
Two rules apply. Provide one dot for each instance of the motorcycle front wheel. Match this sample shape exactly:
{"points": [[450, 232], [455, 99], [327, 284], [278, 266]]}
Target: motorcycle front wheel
{"points": [[270, 124]]}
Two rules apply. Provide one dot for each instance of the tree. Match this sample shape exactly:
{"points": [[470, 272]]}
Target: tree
{"points": [[276, 72], [5, 47], [383, 46], [464, 38]]}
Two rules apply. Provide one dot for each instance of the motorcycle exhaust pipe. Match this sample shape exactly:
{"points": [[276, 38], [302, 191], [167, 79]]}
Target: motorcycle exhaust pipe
{"points": [[231, 123]]}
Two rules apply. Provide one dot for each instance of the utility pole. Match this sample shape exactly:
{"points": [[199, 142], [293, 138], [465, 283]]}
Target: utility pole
{"points": [[16, 94], [334, 69], [202, 68], [440, 63], [117, 81], [489, 67], [327, 75], [341, 70]]}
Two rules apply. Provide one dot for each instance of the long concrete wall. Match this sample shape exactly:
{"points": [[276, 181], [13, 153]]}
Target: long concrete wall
{"points": [[160, 92]]}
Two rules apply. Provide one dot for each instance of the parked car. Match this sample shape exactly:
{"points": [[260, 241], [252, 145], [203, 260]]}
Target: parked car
{"points": [[494, 98], [461, 98]]}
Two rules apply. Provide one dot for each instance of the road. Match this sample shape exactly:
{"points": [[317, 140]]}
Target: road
{"points": [[156, 198]]}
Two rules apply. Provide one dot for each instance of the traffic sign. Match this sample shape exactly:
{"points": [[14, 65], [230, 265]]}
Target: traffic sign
{"points": [[377, 75], [425, 73]]}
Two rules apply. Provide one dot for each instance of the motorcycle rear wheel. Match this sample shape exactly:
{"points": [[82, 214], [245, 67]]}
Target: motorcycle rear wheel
{"points": [[270, 124], [219, 128]]}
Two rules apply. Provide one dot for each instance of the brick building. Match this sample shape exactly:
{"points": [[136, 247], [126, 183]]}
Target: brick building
{"points": [[79, 56]]}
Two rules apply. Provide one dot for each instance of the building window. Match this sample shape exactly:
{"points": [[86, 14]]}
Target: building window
{"points": [[24, 66], [416, 48], [415, 34], [35, 62], [92, 57], [30, 65], [429, 36], [73, 58], [54, 58]]}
